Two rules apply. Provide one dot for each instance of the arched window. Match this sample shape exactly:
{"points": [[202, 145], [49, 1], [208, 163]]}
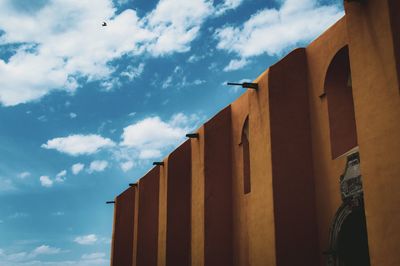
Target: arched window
{"points": [[246, 157], [338, 88]]}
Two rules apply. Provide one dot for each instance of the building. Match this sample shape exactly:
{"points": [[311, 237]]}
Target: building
{"points": [[305, 170]]}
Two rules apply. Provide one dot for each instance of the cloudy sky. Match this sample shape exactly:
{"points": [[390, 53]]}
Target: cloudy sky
{"points": [[86, 109]]}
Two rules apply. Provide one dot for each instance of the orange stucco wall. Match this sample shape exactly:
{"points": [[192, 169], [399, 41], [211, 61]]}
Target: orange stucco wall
{"points": [[193, 210], [218, 190], [240, 204], [292, 166], [147, 240], [197, 204], [122, 252], [377, 109], [326, 170], [162, 214], [179, 206]]}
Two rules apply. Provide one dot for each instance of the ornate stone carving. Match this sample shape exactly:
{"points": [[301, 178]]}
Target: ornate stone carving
{"points": [[352, 198]]}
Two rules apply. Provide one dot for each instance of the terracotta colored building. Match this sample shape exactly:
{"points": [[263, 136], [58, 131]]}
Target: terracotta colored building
{"points": [[304, 170]]}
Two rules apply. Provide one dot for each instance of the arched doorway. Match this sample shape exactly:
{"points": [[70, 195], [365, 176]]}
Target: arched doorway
{"points": [[352, 245], [348, 239]]}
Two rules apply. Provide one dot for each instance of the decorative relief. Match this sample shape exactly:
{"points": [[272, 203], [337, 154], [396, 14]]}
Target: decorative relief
{"points": [[352, 198], [350, 181]]}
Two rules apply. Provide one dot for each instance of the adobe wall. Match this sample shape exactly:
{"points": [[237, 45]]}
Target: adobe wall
{"points": [[240, 200], [135, 225], [198, 199], [194, 210], [373, 30], [147, 234], [260, 201], [292, 165], [326, 169], [124, 214], [174, 213], [195, 198], [218, 190], [162, 213], [178, 235]]}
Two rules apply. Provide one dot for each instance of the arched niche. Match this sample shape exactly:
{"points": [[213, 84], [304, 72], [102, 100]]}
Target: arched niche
{"points": [[338, 89], [246, 156]]}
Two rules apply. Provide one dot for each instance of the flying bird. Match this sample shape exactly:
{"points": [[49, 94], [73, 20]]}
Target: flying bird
{"points": [[104, 24]]}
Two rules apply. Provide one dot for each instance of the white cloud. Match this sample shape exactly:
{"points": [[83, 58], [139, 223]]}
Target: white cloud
{"points": [[122, 2], [149, 154], [236, 64], [63, 43], [60, 177], [195, 58], [199, 82], [151, 132], [77, 168], [176, 23], [126, 166], [111, 84], [151, 137], [187, 121], [24, 175], [275, 31], [6, 185], [16, 257], [183, 82], [167, 82], [92, 256], [30, 257], [45, 181], [178, 70], [212, 66], [36, 262], [86, 239], [45, 250], [227, 5], [42, 118], [178, 80], [72, 115], [133, 72], [58, 213], [79, 144], [97, 166]]}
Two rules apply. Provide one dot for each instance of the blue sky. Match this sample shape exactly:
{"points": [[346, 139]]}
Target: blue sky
{"points": [[86, 109]]}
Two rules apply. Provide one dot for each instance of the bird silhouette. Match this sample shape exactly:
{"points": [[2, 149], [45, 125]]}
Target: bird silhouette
{"points": [[104, 24]]}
